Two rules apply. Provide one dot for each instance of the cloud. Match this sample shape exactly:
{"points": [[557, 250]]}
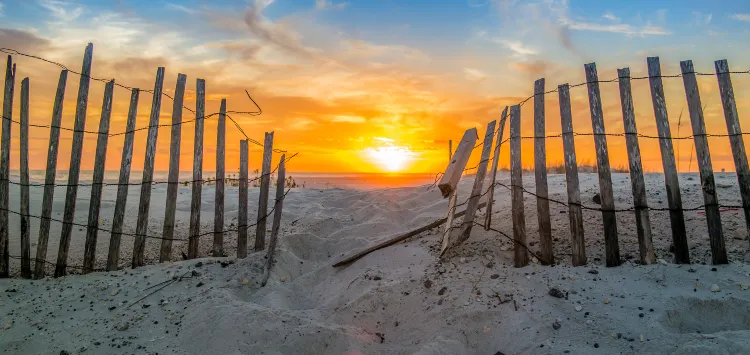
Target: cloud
{"points": [[537, 67], [701, 19], [611, 17], [329, 5], [348, 119], [615, 28], [740, 17], [177, 7], [22, 40], [517, 46], [474, 75], [2, 9], [61, 10], [275, 33]]}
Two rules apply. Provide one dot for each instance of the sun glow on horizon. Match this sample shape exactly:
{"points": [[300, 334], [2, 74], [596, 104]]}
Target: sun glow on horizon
{"points": [[390, 158]]}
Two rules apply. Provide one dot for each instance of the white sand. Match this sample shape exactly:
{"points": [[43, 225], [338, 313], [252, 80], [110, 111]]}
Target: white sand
{"points": [[381, 303]]}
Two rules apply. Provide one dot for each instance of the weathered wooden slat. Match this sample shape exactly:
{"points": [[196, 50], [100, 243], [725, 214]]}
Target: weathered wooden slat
{"points": [[276, 220], [10, 79], [612, 253], [493, 173], [113, 257], [575, 212], [242, 208], [218, 247], [141, 227], [735, 135], [24, 155], [265, 178], [49, 177], [174, 170], [477, 189], [451, 210], [195, 202], [92, 229], [642, 219], [674, 197], [75, 163], [456, 167], [521, 256], [711, 201], [540, 175]]}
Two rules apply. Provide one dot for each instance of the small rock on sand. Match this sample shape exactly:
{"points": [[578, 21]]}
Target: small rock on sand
{"points": [[556, 293], [597, 199], [556, 326], [715, 288], [578, 308]]}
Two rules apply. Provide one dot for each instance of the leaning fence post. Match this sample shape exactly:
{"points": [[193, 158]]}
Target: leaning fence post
{"points": [[265, 178], [735, 135], [642, 219], [10, 78], [49, 178], [674, 198], [92, 229], [711, 201], [276, 221], [174, 170], [75, 163], [113, 256], [25, 225], [575, 212], [540, 175], [451, 205], [476, 190], [148, 172], [449, 182], [602, 162], [242, 208], [218, 248], [195, 202], [521, 256], [493, 173]]}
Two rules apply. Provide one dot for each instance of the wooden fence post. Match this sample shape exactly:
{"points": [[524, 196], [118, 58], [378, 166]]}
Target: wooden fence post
{"points": [[642, 219], [122, 184], [10, 78], [49, 178], [265, 178], [242, 208], [218, 248], [602, 162], [456, 167], [92, 229], [735, 135], [276, 220], [540, 175], [25, 224], [476, 190], [174, 170], [711, 201], [493, 173], [451, 209], [575, 212], [521, 255], [195, 202], [148, 172], [75, 163], [674, 198]]}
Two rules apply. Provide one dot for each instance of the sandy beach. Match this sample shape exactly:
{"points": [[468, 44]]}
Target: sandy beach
{"points": [[399, 300]]}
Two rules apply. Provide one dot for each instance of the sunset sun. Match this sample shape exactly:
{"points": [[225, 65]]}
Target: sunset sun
{"points": [[391, 158]]}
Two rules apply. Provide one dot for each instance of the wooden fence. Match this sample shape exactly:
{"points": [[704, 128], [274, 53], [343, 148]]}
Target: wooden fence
{"points": [[103, 133], [608, 210]]}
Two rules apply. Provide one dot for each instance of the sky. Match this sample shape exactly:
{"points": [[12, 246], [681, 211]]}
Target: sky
{"points": [[374, 85]]}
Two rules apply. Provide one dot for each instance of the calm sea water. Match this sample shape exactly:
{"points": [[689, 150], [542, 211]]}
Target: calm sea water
{"points": [[307, 180]]}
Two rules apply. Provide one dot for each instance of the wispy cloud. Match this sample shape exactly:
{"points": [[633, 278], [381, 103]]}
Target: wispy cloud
{"points": [[610, 16], [327, 4], [178, 7], [517, 46], [622, 28], [740, 17], [701, 18], [474, 74], [2, 9], [62, 10], [348, 119]]}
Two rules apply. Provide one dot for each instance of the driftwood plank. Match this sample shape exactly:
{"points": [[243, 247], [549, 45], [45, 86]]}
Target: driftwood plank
{"points": [[540, 175], [174, 170], [456, 167], [451, 210], [218, 247], [75, 162], [242, 208], [611, 246], [735, 135], [141, 228], [276, 220], [642, 219], [575, 212], [195, 201], [711, 201], [92, 229], [10, 79], [674, 197], [476, 190], [49, 177], [493, 172], [265, 178], [24, 155], [113, 257], [521, 256]]}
